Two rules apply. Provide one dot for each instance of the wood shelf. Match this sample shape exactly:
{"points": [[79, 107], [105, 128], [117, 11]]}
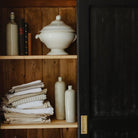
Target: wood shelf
{"points": [[53, 124], [39, 3], [40, 57]]}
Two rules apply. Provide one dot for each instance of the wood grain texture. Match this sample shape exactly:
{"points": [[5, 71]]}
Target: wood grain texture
{"points": [[4, 21], [40, 57], [50, 75], [48, 15], [13, 133], [54, 124], [113, 63], [68, 71], [68, 15], [52, 133], [33, 70], [40, 3], [11, 70], [34, 19], [69, 133]]}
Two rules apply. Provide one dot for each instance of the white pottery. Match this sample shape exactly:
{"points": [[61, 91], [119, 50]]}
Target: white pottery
{"points": [[57, 36], [60, 99], [70, 104]]}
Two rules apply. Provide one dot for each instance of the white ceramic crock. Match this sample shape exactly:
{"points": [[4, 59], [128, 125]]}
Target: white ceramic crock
{"points": [[57, 36]]}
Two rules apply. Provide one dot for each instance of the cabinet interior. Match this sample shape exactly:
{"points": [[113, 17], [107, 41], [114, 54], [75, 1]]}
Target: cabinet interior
{"points": [[19, 70]]}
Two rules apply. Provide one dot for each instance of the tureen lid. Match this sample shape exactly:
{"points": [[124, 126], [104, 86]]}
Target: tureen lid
{"points": [[57, 25]]}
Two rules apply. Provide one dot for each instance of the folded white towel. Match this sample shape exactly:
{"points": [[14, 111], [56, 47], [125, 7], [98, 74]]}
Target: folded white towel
{"points": [[30, 105], [49, 111], [26, 84], [24, 92]]}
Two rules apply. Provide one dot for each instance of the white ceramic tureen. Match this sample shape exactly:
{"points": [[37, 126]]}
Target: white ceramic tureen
{"points": [[57, 36]]}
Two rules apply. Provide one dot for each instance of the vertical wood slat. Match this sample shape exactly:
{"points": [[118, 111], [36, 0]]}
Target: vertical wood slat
{"points": [[68, 15], [33, 70], [34, 18], [4, 20], [50, 75], [69, 133], [12, 74], [48, 15], [113, 48]]}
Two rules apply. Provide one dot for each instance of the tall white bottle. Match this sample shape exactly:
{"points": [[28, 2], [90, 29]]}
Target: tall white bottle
{"points": [[60, 99], [70, 104], [12, 36]]}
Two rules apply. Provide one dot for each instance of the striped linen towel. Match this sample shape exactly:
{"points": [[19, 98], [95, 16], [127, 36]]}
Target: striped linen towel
{"points": [[19, 97], [29, 99], [34, 105]]}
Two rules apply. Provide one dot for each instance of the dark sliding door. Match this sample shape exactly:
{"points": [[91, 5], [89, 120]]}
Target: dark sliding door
{"points": [[108, 68]]}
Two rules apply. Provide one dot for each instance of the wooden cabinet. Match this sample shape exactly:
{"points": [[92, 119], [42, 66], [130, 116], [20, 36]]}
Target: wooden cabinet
{"points": [[109, 86], [17, 70]]}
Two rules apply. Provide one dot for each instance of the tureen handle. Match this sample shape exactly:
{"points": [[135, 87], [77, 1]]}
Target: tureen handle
{"points": [[37, 36], [75, 37]]}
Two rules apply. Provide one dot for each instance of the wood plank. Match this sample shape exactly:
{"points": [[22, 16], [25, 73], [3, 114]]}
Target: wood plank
{"points": [[33, 70], [51, 133], [48, 15], [40, 57], [4, 21], [9, 133], [50, 75], [53, 124], [68, 15], [34, 19], [12, 74], [69, 132], [40, 3], [68, 70]]}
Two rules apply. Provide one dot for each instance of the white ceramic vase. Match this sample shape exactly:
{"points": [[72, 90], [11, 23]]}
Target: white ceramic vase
{"points": [[70, 104], [60, 99]]}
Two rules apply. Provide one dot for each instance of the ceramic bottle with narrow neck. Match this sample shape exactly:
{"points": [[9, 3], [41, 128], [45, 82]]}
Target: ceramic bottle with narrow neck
{"points": [[60, 99], [70, 104], [12, 36]]}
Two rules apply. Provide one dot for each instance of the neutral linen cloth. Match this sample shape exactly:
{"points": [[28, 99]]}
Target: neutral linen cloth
{"points": [[22, 115], [26, 84], [29, 99], [30, 105], [35, 90], [44, 105], [39, 85], [49, 110], [27, 120], [19, 97]]}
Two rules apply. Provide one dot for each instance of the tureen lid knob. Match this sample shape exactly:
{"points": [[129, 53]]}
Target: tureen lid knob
{"points": [[58, 17]]}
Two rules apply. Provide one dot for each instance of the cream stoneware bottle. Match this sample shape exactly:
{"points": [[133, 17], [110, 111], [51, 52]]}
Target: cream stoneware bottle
{"points": [[60, 99], [12, 36], [70, 104]]}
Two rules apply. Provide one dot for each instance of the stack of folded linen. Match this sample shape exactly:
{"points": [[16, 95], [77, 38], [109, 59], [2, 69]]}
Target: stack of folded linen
{"points": [[27, 103]]}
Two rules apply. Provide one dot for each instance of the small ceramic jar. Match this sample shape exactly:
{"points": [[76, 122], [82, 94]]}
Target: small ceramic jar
{"points": [[57, 36]]}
